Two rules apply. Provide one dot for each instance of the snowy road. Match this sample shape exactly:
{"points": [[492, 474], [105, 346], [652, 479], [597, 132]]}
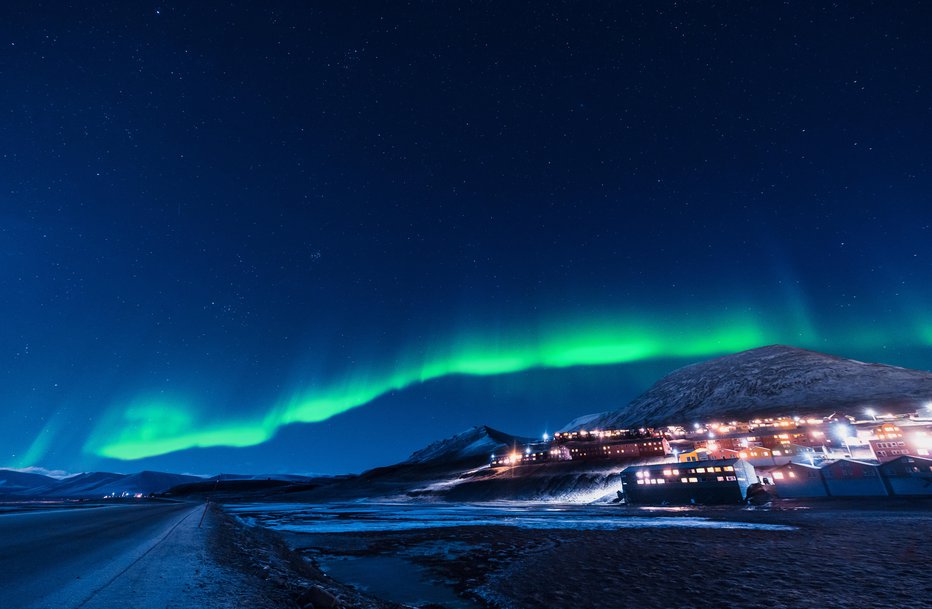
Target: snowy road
{"points": [[150, 555]]}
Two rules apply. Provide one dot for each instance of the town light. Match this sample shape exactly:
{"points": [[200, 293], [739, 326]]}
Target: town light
{"points": [[871, 413], [546, 436]]}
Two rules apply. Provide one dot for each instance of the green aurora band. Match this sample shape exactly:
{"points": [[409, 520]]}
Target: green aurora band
{"points": [[148, 428]]}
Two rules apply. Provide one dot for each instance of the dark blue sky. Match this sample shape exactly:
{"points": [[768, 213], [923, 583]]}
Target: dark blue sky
{"points": [[217, 220]]}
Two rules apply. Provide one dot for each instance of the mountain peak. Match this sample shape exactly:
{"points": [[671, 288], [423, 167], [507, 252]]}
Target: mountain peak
{"points": [[775, 379], [474, 444]]}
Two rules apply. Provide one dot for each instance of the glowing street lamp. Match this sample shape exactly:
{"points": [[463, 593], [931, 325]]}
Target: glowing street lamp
{"points": [[843, 432], [871, 413]]}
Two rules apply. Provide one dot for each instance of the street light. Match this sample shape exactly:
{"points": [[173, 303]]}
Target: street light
{"points": [[843, 432], [871, 413]]}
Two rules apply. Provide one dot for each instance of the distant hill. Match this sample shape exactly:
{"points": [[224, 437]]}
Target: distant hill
{"points": [[88, 484], [471, 447], [769, 380], [281, 477], [13, 482]]}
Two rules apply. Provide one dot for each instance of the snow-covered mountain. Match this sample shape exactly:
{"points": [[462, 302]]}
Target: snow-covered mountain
{"points": [[769, 380], [473, 445], [89, 484], [13, 482]]}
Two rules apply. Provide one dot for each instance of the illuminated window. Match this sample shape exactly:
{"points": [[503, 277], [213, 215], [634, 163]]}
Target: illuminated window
{"points": [[668, 472], [694, 479], [719, 478], [792, 474], [729, 468], [640, 482], [700, 470], [778, 475], [731, 478], [661, 481], [684, 480]]}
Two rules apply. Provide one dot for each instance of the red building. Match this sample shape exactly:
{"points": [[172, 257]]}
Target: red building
{"points": [[617, 448]]}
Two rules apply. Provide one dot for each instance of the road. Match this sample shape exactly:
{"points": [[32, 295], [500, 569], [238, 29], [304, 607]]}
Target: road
{"points": [[147, 555]]}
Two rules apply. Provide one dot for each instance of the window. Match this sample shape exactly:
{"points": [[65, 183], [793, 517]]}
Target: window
{"points": [[694, 479], [778, 475], [684, 480], [729, 468], [731, 478], [700, 470]]}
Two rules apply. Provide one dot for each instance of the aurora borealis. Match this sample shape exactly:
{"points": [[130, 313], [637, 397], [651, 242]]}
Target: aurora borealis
{"points": [[255, 238], [156, 428]]}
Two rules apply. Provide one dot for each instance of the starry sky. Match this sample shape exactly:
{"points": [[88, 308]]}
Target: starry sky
{"points": [[268, 237]]}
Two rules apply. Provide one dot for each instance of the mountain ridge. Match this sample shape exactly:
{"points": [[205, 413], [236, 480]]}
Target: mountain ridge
{"points": [[775, 379]]}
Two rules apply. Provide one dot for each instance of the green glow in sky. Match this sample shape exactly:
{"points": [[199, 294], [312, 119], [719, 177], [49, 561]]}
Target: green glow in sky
{"points": [[149, 428]]}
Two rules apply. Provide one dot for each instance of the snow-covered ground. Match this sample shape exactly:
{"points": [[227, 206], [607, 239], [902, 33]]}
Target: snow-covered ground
{"points": [[373, 517]]}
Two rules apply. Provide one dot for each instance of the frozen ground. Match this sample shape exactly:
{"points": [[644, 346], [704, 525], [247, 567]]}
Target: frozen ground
{"points": [[529, 556], [407, 516]]}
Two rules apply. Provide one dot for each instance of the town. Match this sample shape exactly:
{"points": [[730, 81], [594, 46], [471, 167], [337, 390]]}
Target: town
{"points": [[790, 457]]}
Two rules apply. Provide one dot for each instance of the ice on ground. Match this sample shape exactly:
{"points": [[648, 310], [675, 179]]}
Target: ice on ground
{"points": [[353, 518]]}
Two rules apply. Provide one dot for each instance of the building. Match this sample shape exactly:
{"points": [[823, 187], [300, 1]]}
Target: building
{"points": [[850, 478], [795, 480], [620, 448], [757, 456], [908, 476], [692, 456], [706, 482], [891, 442]]}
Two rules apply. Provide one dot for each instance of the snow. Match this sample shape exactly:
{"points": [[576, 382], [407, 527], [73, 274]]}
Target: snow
{"points": [[353, 518], [768, 380]]}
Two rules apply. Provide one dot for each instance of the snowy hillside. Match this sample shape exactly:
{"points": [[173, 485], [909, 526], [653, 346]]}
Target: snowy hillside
{"points": [[89, 484], [768, 380], [13, 482], [475, 444]]}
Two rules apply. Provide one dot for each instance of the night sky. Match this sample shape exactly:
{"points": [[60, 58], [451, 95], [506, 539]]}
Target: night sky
{"points": [[278, 237]]}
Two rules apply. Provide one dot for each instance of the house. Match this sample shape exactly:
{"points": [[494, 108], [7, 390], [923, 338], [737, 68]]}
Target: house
{"points": [[794, 480], [850, 478], [908, 476], [891, 441], [757, 456], [692, 456], [721, 481], [620, 448]]}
